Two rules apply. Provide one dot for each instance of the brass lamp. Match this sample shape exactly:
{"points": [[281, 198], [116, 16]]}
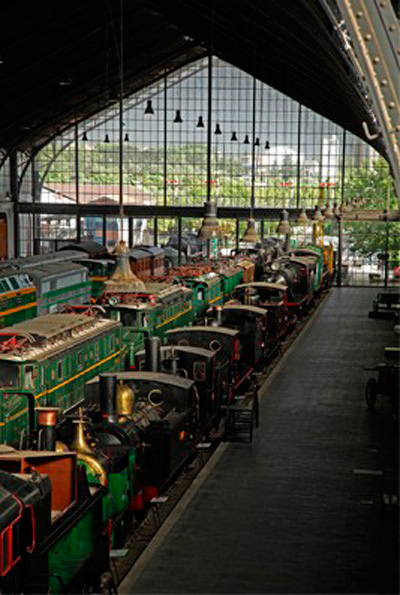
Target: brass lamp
{"points": [[302, 219], [250, 235], [284, 227], [209, 228]]}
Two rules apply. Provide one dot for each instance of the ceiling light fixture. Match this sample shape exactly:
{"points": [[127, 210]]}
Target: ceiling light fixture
{"points": [[149, 111], [284, 227], [302, 219], [200, 123], [178, 117], [218, 129], [246, 140], [234, 137]]}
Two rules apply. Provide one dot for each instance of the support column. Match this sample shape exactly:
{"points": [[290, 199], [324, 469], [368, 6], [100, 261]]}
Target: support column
{"points": [[155, 231], [15, 199], [179, 240], [339, 254]]}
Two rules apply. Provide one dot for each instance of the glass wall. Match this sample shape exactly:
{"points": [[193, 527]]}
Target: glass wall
{"points": [[265, 150]]}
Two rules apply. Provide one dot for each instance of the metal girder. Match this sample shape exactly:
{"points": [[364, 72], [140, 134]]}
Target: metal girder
{"points": [[375, 35], [151, 211]]}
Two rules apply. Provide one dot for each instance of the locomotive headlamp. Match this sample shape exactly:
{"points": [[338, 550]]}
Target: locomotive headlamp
{"points": [[275, 266]]}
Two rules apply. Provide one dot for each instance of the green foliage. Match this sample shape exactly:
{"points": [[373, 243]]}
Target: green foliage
{"points": [[187, 164]]}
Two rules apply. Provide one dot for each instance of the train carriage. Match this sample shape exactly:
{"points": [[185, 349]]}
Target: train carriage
{"points": [[226, 345], [207, 290], [230, 277], [140, 262], [154, 310], [251, 322], [46, 361], [58, 284], [271, 298], [17, 296], [100, 270], [53, 541], [157, 262]]}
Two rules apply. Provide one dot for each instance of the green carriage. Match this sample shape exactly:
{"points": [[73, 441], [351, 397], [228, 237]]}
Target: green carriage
{"points": [[47, 360], [207, 291], [153, 310], [17, 297]]}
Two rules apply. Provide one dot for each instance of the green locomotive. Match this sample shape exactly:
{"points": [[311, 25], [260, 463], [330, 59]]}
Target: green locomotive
{"points": [[17, 297], [47, 361]]}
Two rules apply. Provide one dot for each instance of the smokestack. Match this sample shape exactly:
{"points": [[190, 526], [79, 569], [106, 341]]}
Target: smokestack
{"points": [[218, 310], [108, 395], [152, 346], [47, 426], [174, 362]]}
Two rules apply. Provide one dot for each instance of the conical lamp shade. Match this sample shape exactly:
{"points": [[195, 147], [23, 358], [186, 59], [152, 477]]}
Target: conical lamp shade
{"points": [[302, 219], [284, 227], [209, 228], [123, 278], [250, 235], [318, 216], [328, 214]]}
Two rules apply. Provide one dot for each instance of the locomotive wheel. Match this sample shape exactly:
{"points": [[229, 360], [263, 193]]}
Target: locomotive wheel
{"points": [[371, 392]]}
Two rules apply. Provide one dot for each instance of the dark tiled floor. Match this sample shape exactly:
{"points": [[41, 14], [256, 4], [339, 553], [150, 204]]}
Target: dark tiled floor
{"points": [[287, 514]]}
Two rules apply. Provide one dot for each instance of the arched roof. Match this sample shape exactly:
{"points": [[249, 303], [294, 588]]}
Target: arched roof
{"points": [[59, 61]]}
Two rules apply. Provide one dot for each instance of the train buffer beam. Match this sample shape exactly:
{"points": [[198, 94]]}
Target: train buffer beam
{"points": [[242, 417]]}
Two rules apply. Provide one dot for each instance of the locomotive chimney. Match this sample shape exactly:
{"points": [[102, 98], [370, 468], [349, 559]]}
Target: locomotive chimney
{"points": [[152, 346], [174, 362], [108, 395], [218, 311], [47, 425]]}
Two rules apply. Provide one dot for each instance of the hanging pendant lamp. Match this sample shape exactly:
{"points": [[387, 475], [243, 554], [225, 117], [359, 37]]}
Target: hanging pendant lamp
{"points": [[267, 144], [284, 227], [209, 227], [84, 137], [218, 129], [178, 117], [246, 140], [250, 235], [149, 111], [328, 214], [257, 142], [336, 209], [200, 123], [302, 219], [234, 137], [106, 139]]}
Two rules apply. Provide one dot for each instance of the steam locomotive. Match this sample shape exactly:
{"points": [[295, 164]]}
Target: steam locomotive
{"points": [[135, 429]]}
